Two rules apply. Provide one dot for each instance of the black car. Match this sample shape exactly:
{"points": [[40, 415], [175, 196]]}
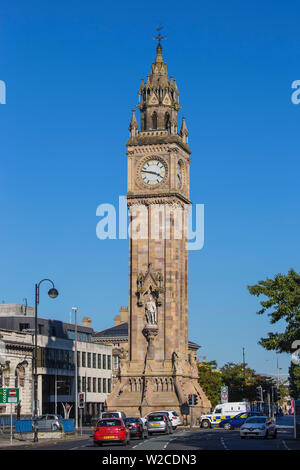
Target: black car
{"points": [[136, 427]]}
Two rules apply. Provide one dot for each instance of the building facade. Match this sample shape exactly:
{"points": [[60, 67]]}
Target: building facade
{"points": [[56, 361]]}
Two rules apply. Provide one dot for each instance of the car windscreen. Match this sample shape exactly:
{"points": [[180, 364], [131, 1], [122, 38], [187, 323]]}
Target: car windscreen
{"points": [[106, 423], [156, 418], [110, 415], [256, 419], [131, 420]]}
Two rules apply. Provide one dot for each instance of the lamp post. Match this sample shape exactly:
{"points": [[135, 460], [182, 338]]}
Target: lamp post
{"points": [[53, 293], [76, 366]]}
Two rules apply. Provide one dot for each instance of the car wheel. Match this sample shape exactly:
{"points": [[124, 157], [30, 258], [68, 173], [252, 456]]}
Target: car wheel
{"points": [[205, 424], [227, 426]]}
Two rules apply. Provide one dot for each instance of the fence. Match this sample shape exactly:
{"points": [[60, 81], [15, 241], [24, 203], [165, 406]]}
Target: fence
{"points": [[25, 425]]}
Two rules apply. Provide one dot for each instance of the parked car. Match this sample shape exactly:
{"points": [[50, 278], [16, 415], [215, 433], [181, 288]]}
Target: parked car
{"points": [[237, 420], [112, 414], [111, 429], [49, 422], [136, 427], [159, 422], [259, 426], [173, 416]]}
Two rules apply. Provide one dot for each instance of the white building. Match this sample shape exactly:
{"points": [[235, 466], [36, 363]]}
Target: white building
{"points": [[56, 361]]}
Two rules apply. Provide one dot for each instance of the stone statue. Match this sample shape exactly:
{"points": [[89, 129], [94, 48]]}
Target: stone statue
{"points": [[151, 312]]}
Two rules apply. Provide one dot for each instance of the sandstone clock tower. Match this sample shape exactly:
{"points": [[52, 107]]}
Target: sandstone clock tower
{"points": [[158, 370]]}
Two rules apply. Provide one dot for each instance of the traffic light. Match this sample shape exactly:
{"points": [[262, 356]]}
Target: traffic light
{"points": [[190, 399], [81, 400], [259, 394], [195, 399]]}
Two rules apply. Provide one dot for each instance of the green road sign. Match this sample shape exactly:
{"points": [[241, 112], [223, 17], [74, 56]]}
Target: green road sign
{"points": [[9, 395]]}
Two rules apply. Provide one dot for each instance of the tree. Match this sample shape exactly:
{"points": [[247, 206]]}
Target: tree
{"points": [[294, 381], [242, 382], [283, 298], [210, 380]]}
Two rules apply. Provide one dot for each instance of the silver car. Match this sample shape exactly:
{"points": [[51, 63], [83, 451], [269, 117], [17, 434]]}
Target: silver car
{"points": [[259, 426], [158, 423], [49, 422]]}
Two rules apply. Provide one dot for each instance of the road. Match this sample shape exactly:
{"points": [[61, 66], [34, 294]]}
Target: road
{"points": [[186, 440]]}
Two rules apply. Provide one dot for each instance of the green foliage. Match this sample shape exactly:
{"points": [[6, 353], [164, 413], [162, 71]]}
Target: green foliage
{"points": [[283, 299], [210, 380], [294, 381]]}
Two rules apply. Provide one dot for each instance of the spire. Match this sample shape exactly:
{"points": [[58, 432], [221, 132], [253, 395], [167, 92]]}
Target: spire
{"points": [[133, 125], [184, 133]]}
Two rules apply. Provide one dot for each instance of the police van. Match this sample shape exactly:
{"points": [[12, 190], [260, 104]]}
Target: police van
{"points": [[223, 411]]}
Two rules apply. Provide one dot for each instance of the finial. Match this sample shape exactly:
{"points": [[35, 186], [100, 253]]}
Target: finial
{"points": [[159, 37]]}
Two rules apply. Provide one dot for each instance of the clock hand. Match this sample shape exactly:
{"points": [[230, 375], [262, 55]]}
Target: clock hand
{"points": [[152, 172]]}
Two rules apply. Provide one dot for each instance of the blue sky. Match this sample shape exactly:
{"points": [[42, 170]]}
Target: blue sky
{"points": [[72, 72]]}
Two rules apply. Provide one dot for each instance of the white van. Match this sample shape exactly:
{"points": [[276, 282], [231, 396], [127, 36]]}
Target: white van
{"points": [[112, 414], [223, 411]]}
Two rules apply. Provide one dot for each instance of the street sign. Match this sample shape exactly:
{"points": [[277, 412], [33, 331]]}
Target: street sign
{"points": [[224, 394], [9, 395]]}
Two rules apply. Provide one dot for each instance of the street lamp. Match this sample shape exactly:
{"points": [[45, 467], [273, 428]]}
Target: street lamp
{"points": [[53, 293], [76, 366]]}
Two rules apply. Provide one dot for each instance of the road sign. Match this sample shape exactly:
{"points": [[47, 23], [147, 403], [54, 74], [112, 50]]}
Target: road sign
{"points": [[9, 395], [224, 394]]}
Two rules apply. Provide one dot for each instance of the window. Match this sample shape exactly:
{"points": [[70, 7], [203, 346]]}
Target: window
{"points": [[79, 384], [89, 359], [109, 362], [109, 385], [99, 361], [41, 330], [78, 358], [154, 120], [83, 357], [83, 384], [94, 360], [167, 120], [89, 384], [104, 386], [99, 386], [94, 384], [24, 326], [104, 361], [116, 362]]}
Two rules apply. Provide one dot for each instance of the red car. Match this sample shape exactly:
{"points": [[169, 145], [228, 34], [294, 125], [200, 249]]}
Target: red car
{"points": [[112, 429]]}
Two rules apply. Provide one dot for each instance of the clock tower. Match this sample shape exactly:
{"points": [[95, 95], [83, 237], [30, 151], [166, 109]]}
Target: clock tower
{"points": [[159, 369]]}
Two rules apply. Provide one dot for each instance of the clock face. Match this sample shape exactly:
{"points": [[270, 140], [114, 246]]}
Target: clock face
{"points": [[153, 172]]}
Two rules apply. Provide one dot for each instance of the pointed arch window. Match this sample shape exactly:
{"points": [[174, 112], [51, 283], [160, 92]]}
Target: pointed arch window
{"points": [[167, 121], [154, 120]]}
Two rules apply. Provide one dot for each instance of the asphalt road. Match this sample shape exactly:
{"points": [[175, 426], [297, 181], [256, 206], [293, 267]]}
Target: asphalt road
{"points": [[186, 440]]}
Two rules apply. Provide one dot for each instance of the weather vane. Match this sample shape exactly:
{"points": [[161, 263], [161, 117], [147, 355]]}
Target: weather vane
{"points": [[159, 37]]}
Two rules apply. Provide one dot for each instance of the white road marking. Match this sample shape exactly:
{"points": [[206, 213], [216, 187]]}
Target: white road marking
{"points": [[285, 445], [223, 443]]}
